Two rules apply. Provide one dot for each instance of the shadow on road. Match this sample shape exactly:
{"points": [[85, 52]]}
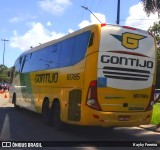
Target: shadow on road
{"points": [[27, 125]]}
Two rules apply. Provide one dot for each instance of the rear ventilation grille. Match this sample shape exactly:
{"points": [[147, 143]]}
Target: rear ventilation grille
{"points": [[126, 73]]}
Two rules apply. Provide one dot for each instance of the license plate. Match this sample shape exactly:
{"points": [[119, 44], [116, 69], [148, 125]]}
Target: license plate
{"points": [[123, 118]]}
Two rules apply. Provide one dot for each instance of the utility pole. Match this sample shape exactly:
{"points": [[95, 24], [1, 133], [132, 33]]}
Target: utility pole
{"points": [[118, 12], [86, 8], [4, 40]]}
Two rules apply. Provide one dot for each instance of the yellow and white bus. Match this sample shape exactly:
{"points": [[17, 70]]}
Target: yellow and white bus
{"points": [[101, 75]]}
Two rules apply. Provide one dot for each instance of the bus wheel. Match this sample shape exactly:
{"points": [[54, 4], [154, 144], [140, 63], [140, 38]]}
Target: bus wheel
{"points": [[45, 111], [14, 102], [56, 121]]}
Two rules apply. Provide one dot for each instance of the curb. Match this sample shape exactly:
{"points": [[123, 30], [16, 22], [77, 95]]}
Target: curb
{"points": [[151, 127]]}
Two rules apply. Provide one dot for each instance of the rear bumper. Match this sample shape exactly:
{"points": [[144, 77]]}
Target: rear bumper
{"points": [[110, 119]]}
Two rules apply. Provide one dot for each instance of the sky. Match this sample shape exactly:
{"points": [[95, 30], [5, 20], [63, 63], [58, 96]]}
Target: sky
{"points": [[27, 23]]}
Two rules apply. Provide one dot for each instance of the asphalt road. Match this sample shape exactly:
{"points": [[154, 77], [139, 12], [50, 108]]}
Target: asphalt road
{"points": [[24, 125]]}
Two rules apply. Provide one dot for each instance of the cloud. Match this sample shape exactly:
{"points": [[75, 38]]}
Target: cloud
{"points": [[84, 23], [16, 19], [49, 23], [93, 20], [138, 18], [37, 34], [21, 18], [70, 30], [55, 7]]}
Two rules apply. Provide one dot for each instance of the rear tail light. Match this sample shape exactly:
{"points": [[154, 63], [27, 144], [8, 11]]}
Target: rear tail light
{"points": [[91, 100], [151, 102]]}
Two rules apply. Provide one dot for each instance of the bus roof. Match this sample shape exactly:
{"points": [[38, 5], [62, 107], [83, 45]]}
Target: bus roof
{"points": [[58, 40], [75, 33]]}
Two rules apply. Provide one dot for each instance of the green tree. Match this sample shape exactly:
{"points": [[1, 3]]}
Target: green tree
{"points": [[155, 30], [151, 6], [4, 74]]}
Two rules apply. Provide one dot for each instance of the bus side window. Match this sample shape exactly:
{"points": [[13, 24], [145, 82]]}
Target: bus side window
{"points": [[67, 47], [38, 60], [22, 63], [26, 63], [91, 39], [53, 52], [81, 44], [17, 65]]}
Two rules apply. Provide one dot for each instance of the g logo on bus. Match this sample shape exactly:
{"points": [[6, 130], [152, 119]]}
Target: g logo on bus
{"points": [[129, 40]]}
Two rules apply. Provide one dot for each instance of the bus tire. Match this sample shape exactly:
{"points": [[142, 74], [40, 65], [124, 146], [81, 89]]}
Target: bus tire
{"points": [[14, 102], [55, 117], [45, 112]]}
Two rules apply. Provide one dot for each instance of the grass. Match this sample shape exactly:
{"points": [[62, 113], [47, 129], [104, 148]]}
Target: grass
{"points": [[156, 114]]}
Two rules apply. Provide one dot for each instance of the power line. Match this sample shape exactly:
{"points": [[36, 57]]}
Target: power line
{"points": [[99, 2], [82, 15], [138, 19], [91, 6]]}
